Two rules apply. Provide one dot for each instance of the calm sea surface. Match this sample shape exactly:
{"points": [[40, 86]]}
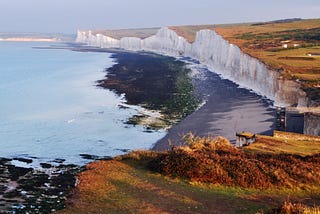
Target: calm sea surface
{"points": [[50, 107]]}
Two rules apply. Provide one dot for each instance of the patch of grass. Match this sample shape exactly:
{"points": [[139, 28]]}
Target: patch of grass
{"points": [[126, 186], [272, 145], [206, 174]]}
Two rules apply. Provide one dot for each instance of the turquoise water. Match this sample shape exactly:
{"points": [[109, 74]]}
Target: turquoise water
{"points": [[50, 107]]}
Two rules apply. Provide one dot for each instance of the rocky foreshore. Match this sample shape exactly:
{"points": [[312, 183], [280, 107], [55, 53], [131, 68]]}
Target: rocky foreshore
{"points": [[35, 190]]}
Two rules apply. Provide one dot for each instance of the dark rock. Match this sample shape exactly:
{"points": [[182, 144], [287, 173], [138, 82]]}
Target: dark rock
{"points": [[64, 181], [45, 165], [11, 194], [59, 160], [67, 167], [89, 157], [4, 160], [33, 183], [3, 188], [123, 150], [11, 201], [16, 172], [25, 160], [47, 193], [122, 107]]}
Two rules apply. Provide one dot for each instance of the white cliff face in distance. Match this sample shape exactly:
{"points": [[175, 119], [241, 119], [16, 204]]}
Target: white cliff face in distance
{"points": [[217, 54]]}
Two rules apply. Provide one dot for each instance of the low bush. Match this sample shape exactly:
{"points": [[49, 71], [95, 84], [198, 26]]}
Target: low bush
{"points": [[288, 207], [217, 161]]}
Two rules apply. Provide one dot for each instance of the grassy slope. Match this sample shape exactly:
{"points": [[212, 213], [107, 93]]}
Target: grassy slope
{"points": [[267, 144], [126, 185], [264, 42]]}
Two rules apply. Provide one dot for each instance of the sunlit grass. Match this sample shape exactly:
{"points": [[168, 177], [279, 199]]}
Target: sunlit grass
{"points": [[266, 144], [205, 174]]}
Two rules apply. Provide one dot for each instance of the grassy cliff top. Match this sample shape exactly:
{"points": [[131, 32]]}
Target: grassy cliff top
{"points": [[118, 34], [206, 174], [189, 31], [290, 46]]}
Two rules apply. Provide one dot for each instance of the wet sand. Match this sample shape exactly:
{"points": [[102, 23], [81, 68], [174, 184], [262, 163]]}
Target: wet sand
{"points": [[228, 109]]}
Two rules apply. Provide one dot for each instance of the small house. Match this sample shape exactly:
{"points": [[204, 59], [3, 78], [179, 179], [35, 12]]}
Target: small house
{"points": [[245, 139]]}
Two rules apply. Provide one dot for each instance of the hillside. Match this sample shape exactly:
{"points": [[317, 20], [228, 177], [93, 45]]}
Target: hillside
{"points": [[36, 37], [205, 176]]}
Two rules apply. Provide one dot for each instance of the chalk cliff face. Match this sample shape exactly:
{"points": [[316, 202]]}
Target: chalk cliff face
{"points": [[217, 54]]}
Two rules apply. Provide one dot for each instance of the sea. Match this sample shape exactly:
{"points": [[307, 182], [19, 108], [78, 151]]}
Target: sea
{"points": [[52, 111], [51, 108]]}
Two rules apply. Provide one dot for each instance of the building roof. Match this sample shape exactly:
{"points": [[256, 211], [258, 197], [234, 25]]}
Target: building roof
{"points": [[247, 135]]}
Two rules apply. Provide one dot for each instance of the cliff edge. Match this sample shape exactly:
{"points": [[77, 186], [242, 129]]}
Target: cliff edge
{"points": [[204, 44]]}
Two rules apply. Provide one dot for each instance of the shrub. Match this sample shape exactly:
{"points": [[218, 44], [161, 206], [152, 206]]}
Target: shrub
{"points": [[288, 207], [217, 161]]}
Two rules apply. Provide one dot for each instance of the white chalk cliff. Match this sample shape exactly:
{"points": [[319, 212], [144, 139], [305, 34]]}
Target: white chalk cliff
{"points": [[217, 54]]}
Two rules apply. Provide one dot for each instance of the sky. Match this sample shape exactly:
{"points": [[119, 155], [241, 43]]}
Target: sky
{"points": [[66, 16]]}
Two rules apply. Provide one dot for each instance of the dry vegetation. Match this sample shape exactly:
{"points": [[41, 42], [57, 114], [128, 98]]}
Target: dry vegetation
{"points": [[126, 186], [297, 208], [277, 145], [217, 161], [205, 176]]}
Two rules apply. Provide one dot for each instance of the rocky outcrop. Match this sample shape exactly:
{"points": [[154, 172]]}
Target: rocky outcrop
{"points": [[29, 190], [312, 124], [217, 54]]}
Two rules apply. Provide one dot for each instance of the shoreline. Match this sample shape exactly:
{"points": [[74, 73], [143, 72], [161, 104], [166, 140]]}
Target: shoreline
{"points": [[212, 112], [159, 84], [224, 112], [202, 86]]}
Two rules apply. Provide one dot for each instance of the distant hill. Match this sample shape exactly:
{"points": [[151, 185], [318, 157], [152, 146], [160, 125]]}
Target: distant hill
{"points": [[4, 36]]}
